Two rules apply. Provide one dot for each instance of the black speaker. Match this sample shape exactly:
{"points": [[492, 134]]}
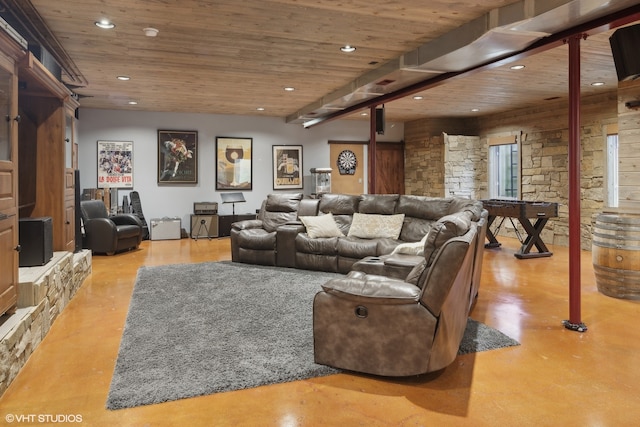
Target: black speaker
{"points": [[78, 216], [36, 241], [625, 45], [380, 121]]}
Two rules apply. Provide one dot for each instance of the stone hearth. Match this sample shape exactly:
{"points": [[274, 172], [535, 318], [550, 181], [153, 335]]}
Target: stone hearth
{"points": [[43, 292]]}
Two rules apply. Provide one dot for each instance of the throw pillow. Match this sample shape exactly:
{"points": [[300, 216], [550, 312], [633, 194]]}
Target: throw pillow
{"points": [[374, 226], [321, 226], [411, 248]]}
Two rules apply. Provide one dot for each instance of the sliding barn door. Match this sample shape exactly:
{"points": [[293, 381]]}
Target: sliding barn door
{"points": [[390, 168]]}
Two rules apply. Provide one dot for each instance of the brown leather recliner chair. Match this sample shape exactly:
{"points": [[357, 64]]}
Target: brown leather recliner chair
{"points": [[254, 241], [391, 327], [108, 234]]}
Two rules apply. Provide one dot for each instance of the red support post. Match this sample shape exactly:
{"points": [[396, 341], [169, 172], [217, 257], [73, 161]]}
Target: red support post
{"points": [[574, 323]]}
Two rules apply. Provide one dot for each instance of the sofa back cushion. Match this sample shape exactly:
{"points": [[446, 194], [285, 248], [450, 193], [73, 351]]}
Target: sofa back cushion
{"points": [[473, 206], [423, 207], [342, 206], [445, 228], [280, 209], [384, 204]]}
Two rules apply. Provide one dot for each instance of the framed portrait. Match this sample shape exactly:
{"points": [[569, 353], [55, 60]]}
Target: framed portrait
{"points": [[115, 164], [177, 157], [287, 167], [233, 163]]}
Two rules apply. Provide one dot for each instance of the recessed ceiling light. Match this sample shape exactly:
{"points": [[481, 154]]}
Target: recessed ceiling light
{"points": [[597, 84], [133, 103], [123, 78], [104, 24], [289, 89], [260, 108], [475, 110], [418, 97], [364, 114], [517, 67], [150, 31], [348, 48]]}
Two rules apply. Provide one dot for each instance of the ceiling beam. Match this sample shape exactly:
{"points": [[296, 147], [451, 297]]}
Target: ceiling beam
{"points": [[602, 24]]}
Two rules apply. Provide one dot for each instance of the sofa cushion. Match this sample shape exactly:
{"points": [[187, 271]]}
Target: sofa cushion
{"points": [[372, 226], [414, 229], [280, 209], [423, 207], [338, 204], [473, 206], [444, 229], [378, 203], [321, 226], [351, 247], [257, 238], [319, 246]]}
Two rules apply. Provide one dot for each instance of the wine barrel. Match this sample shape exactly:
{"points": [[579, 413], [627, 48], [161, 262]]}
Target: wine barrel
{"points": [[616, 254]]}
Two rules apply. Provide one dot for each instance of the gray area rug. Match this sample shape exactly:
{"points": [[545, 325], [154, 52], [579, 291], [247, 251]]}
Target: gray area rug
{"points": [[197, 329]]}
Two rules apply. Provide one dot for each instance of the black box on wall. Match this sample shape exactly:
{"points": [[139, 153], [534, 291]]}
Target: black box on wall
{"points": [[36, 241]]}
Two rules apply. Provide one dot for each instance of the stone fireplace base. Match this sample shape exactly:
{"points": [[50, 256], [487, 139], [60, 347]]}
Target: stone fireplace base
{"points": [[43, 292]]}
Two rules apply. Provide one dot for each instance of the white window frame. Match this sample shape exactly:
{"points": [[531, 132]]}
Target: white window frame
{"points": [[493, 165], [611, 174]]}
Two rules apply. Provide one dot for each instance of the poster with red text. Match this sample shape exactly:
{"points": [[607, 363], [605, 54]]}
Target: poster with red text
{"points": [[115, 164]]}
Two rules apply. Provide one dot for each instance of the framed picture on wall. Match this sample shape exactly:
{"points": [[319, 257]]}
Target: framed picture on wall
{"points": [[287, 167], [177, 157], [233, 163], [115, 164]]}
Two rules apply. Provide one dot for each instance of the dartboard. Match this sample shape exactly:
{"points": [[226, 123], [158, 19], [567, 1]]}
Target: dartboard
{"points": [[347, 162]]}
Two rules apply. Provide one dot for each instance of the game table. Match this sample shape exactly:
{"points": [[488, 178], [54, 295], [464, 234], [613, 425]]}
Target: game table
{"points": [[524, 212]]}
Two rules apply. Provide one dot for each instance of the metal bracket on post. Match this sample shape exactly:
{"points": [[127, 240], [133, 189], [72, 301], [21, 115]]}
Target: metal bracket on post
{"points": [[577, 327]]}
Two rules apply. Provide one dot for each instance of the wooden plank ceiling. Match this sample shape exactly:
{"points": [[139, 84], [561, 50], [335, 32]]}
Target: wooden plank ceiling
{"points": [[231, 56]]}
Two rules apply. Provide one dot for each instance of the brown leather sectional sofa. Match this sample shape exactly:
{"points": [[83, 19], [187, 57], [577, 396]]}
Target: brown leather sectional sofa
{"points": [[393, 314], [279, 238]]}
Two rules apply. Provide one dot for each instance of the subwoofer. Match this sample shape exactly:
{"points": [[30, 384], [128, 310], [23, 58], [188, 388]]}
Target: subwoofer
{"points": [[36, 241]]}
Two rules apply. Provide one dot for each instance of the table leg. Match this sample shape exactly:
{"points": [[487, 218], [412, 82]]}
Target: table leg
{"points": [[533, 238], [493, 242]]}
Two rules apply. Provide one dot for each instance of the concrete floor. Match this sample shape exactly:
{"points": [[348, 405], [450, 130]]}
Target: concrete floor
{"points": [[556, 377]]}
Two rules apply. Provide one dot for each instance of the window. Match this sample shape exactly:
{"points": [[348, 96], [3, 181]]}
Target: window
{"points": [[612, 171], [504, 168]]}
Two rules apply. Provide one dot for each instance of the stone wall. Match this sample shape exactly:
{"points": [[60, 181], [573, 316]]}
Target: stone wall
{"points": [[49, 288], [437, 169]]}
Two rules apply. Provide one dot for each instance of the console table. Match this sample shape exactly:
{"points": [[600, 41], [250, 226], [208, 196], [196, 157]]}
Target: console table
{"points": [[225, 221], [523, 211]]}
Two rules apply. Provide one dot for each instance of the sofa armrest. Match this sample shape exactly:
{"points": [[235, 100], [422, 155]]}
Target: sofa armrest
{"points": [[373, 289], [126, 219], [286, 244], [247, 224]]}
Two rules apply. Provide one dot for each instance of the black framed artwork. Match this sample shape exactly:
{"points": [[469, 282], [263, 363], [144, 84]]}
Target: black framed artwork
{"points": [[177, 157]]}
